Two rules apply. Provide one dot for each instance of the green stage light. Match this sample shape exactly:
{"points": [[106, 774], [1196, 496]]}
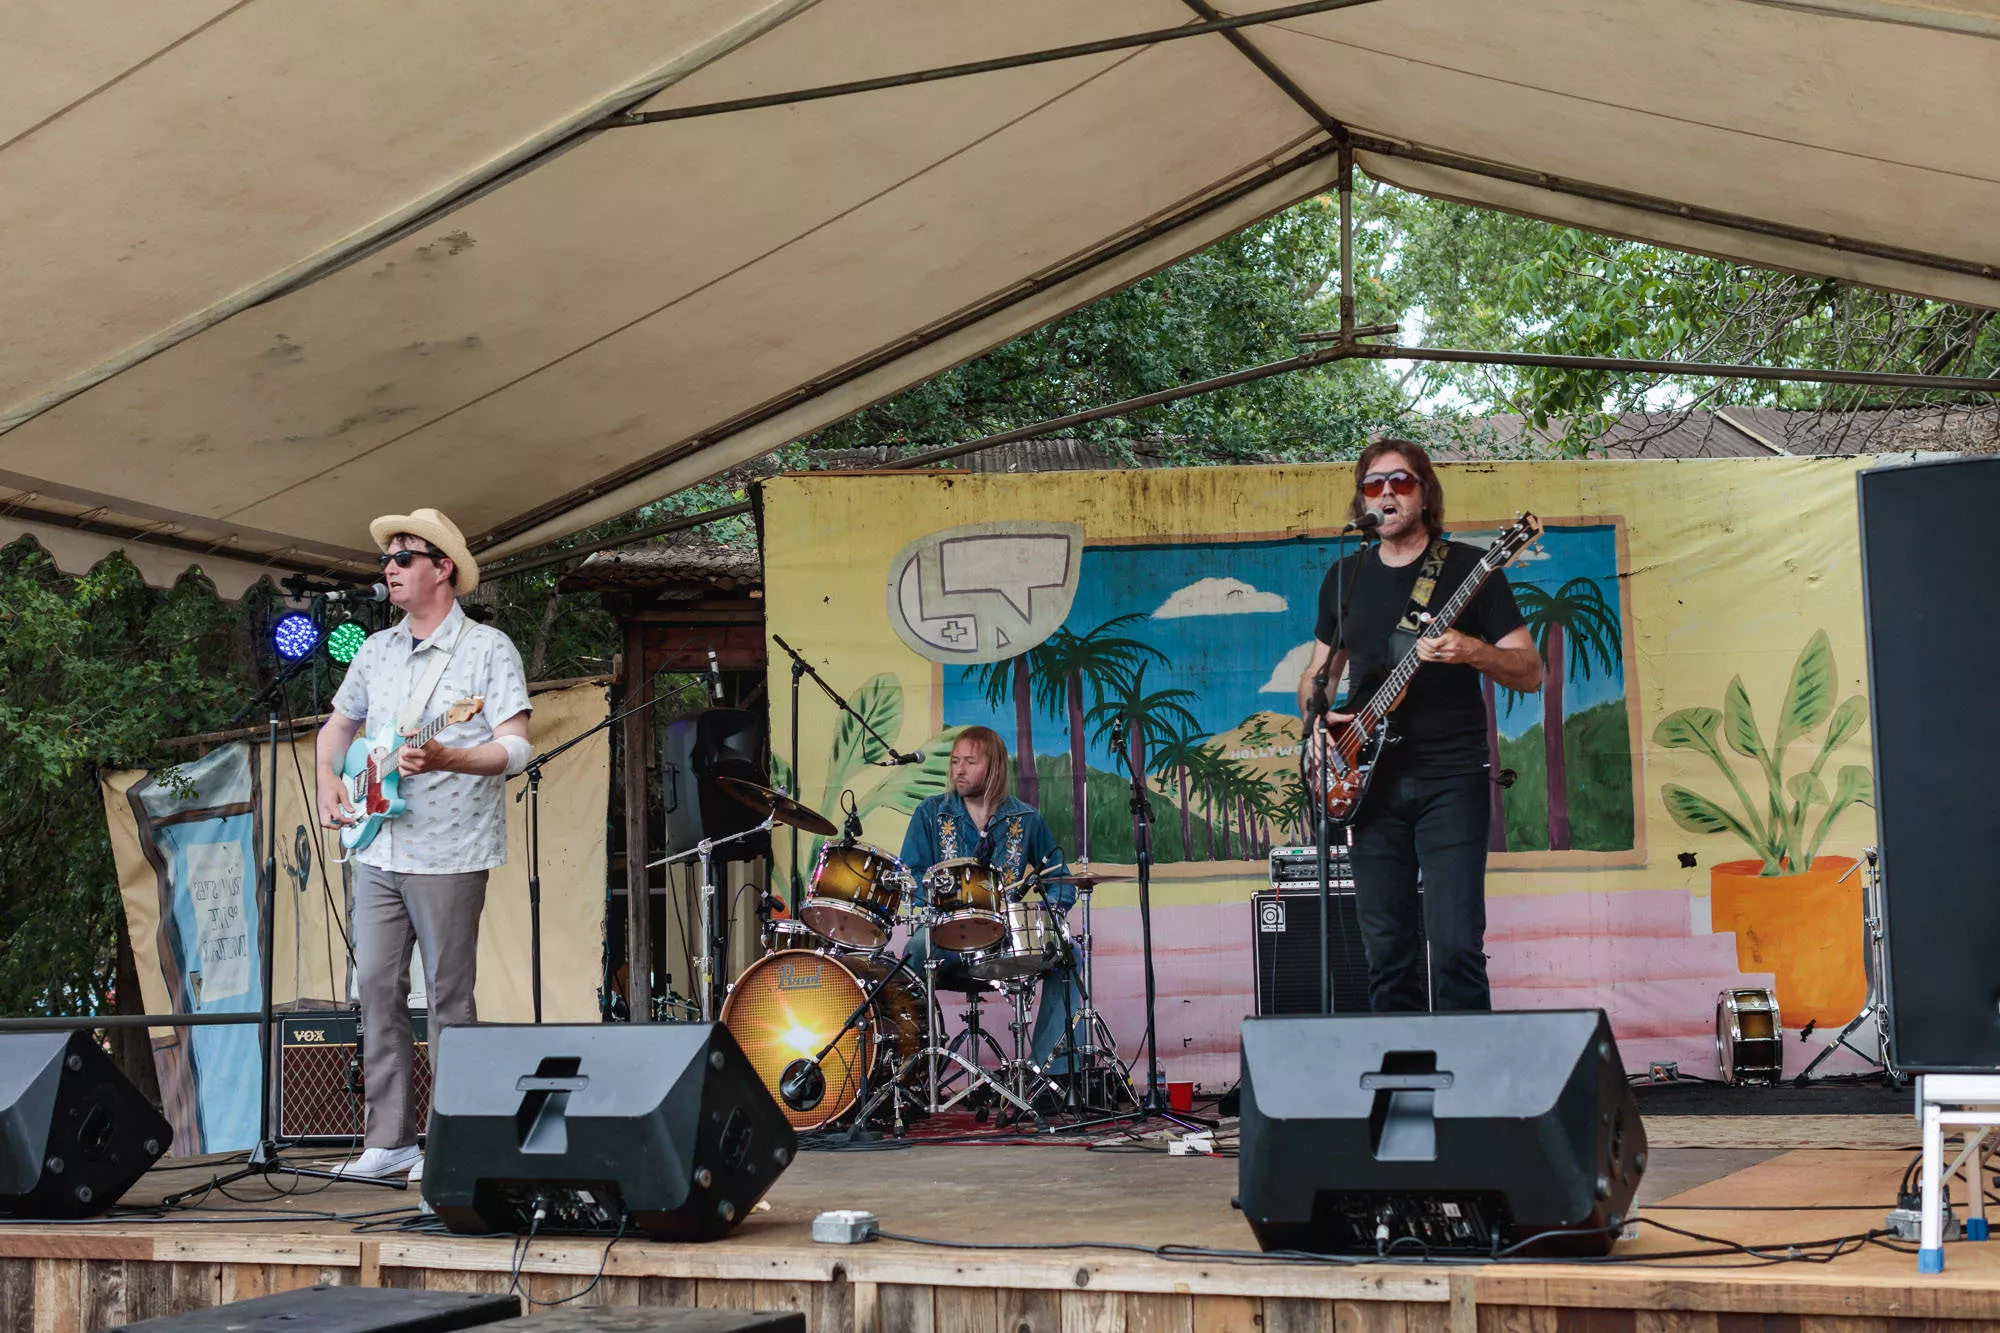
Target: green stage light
{"points": [[345, 641]]}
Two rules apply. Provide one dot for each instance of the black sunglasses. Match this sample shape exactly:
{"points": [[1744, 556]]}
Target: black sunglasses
{"points": [[404, 559]]}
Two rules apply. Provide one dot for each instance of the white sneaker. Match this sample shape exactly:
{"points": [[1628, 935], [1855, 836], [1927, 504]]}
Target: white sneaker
{"points": [[417, 1171], [382, 1163]]}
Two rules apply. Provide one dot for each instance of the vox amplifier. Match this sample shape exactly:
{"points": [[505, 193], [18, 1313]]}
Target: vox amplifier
{"points": [[319, 1075]]}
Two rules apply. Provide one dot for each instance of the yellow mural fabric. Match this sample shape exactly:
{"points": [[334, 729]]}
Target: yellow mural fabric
{"points": [[1710, 572]]}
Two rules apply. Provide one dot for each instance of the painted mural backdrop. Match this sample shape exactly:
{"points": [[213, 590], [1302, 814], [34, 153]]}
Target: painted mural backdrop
{"points": [[1676, 807]]}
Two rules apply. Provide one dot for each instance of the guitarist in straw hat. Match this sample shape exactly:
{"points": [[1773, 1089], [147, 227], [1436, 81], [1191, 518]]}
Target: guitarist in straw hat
{"points": [[1429, 806], [422, 879]]}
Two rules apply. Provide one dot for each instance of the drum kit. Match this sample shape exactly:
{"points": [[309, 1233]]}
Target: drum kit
{"points": [[842, 1025]]}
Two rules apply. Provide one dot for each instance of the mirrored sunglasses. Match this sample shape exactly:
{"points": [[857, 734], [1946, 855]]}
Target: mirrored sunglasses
{"points": [[1399, 481], [404, 559]]}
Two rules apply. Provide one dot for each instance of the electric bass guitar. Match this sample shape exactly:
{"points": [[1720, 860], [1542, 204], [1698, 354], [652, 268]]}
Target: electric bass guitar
{"points": [[369, 778], [1356, 746]]}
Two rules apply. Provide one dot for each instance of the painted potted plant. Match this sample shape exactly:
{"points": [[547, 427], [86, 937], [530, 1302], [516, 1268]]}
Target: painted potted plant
{"points": [[1796, 912]]}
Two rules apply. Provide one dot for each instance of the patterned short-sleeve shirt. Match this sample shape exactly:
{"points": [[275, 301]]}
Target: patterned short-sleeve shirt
{"points": [[456, 822]]}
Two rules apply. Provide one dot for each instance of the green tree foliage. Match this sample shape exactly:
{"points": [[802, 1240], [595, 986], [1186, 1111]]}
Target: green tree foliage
{"points": [[94, 672]]}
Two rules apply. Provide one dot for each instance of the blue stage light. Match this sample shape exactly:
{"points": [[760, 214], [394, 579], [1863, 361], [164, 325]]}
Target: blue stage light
{"points": [[295, 636]]}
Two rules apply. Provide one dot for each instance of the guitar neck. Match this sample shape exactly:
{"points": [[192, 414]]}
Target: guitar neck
{"points": [[1378, 706]]}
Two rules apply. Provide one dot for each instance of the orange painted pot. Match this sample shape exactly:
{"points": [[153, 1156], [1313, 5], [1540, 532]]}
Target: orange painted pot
{"points": [[1804, 928]]}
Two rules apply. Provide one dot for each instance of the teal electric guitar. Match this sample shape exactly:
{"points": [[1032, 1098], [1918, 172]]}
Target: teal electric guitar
{"points": [[369, 778]]}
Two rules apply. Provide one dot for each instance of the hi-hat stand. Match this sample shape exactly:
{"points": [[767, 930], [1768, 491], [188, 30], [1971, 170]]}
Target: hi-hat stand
{"points": [[708, 973]]}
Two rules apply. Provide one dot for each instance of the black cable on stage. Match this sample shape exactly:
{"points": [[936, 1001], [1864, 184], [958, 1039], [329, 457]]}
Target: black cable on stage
{"points": [[521, 1255]]}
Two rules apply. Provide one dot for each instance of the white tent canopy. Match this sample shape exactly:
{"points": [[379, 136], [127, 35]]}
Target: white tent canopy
{"points": [[272, 267]]}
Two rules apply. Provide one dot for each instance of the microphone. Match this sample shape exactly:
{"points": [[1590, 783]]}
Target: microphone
{"points": [[376, 592], [714, 675], [1118, 733], [913, 757], [1368, 522], [802, 1086]]}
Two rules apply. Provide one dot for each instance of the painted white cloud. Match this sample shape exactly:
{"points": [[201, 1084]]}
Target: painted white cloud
{"points": [[1285, 676], [1219, 597]]}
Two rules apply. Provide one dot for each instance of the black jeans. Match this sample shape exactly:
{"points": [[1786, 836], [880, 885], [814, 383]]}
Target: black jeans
{"points": [[1440, 826]]}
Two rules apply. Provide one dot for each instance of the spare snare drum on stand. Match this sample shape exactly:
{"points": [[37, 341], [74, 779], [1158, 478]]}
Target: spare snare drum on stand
{"points": [[1749, 1037]]}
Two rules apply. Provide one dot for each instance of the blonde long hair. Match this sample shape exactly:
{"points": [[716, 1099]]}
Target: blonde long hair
{"points": [[995, 750]]}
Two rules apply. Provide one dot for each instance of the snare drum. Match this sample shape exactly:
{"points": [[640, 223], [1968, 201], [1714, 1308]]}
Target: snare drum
{"points": [[787, 1006], [1749, 1037], [783, 933], [856, 893], [1032, 945], [969, 899]]}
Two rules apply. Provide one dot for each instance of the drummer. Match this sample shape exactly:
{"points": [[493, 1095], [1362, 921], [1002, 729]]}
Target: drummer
{"points": [[980, 819]]}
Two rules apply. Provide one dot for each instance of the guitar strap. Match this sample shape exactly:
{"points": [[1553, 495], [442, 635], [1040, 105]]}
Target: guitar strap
{"points": [[412, 715], [1425, 592]]}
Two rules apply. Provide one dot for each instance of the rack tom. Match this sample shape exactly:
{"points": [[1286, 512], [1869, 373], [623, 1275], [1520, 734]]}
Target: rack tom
{"points": [[970, 901], [856, 894]]}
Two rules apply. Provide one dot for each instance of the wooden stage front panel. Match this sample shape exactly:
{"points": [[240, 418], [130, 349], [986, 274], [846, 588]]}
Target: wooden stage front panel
{"points": [[63, 1279]]}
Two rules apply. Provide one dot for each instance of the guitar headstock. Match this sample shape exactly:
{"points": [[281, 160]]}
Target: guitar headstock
{"points": [[464, 710], [1510, 544]]}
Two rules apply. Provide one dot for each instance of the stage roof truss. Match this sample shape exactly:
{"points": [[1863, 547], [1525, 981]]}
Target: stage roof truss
{"points": [[265, 266]]}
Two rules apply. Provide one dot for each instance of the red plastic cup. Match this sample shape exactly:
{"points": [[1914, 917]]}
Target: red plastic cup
{"points": [[1180, 1096]]}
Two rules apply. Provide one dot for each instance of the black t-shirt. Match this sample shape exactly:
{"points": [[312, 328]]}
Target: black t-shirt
{"points": [[1442, 719]]}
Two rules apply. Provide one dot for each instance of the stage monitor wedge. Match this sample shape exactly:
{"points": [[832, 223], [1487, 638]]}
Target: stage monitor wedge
{"points": [[1461, 1134], [655, 1129], [75, 1134], [1933, 613], [342, 1309]]}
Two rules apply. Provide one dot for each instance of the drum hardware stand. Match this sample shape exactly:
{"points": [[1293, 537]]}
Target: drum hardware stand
{"points": [[933, 1022], [1876, 1008], [706, 971], [1097, 1079], [1029, 1081], [803, 1083]]}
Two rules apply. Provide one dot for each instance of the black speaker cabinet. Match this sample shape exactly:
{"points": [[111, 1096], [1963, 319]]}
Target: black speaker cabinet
{"points": [[1933, 649], [1437, 1133], [662, 1129], [74, 1133], [694, 752], [331, 1309], [658, 1319]]}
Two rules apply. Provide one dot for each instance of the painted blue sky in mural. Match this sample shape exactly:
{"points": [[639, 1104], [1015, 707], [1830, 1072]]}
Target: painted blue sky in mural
{"points": [[1235, 621]]}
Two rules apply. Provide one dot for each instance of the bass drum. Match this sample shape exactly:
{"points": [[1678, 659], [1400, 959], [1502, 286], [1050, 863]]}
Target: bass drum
{"points": [[788, 1005]]}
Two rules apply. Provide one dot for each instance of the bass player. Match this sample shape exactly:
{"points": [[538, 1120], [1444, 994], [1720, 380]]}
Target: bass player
{"points": [[1429, 807], [422, 880]]}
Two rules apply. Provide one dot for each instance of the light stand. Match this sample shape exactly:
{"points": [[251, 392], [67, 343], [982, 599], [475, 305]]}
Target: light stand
{"points": [[533, 831], [267, 1157]]}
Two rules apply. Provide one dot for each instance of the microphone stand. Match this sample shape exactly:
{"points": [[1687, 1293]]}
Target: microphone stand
{"points": [[533, 791], [800, 670], [802, 1085], [1154, 1104], [1322, 780]]}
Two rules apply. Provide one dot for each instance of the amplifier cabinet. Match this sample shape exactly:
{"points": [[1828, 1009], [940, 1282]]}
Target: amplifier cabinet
{"points": [[1284, 948], [314, 1051]]}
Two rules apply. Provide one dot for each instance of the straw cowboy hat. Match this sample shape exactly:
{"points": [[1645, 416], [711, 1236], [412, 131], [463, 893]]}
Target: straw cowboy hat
{"points": [[440, 532]]}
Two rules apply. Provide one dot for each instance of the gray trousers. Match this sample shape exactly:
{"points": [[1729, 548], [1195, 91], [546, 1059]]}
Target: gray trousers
{"points": [[392, 912]]}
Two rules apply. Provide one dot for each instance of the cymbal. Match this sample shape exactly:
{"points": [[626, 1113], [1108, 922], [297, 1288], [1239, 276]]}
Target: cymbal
{"points": [[778, 806], [1084, 879]]}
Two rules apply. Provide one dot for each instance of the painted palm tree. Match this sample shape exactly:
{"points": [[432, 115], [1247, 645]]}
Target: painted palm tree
{"points": [[1014, 681], [1210, 770], [1066, 666], [1576, 628], [1174, 759], [1146, 715]]}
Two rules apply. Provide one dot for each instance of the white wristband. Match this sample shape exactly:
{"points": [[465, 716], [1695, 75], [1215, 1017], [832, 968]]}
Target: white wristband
{"points": [[518, 751]]}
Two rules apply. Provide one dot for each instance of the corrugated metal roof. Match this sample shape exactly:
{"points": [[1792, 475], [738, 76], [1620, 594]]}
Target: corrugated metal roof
{"points": [[1760, 432], [693, 563]]}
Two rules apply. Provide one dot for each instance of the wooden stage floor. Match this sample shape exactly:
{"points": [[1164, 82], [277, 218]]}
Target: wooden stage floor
{"points": [[61, 1279]]}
